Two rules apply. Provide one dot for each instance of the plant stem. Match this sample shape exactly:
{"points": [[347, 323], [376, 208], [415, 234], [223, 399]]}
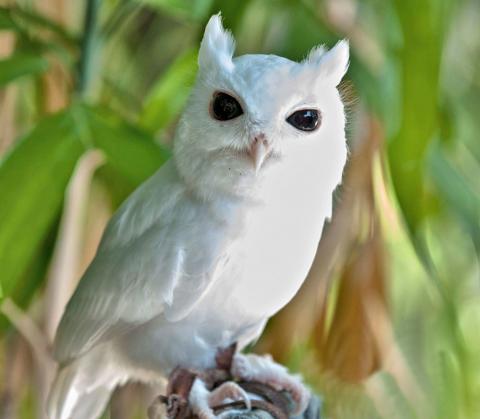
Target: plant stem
{"points": [[87, 46]]}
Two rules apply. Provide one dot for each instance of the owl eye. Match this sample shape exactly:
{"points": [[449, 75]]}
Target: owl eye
{"points": [[305, 119], [225, 107]]}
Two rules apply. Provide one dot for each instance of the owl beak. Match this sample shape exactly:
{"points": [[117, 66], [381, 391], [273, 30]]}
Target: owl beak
{"points": [[258, 151]]}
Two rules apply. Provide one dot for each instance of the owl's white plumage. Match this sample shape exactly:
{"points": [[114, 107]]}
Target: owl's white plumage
{"points": [[206, 250]]}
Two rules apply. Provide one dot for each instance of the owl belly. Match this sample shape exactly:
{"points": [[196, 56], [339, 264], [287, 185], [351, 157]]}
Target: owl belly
{"points": [[276, 253], [191, 342], [268, 263]]}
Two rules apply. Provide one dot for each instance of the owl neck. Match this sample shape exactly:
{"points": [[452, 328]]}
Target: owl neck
{"points": [[292, 181], [304, 178], [283, 190]]}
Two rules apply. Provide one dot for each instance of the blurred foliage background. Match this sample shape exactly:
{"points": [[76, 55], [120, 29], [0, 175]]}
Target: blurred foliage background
{"points": [[386, 325]]}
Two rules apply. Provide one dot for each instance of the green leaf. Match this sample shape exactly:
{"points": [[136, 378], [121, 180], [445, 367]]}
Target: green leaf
{"points": [[130, 151], [169, 93], [33, 178], [420, 59], [6, 21], [35, 174], [34, 274], [21, 64], [186, 9], [456, 192]]}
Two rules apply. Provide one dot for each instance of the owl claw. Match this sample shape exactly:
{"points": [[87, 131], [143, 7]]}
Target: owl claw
{"points": [[202, 401], [264, 370], [229, 391]]}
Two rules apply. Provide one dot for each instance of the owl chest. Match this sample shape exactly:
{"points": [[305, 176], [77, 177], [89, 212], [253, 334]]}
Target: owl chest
{"points": [[266, 265]]}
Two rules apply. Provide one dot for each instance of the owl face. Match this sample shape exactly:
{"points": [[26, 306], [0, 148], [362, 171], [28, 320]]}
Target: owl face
{"points": [[250, 114]]}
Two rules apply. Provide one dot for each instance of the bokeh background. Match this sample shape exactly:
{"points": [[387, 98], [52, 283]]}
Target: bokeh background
{"points": [[387, 324]]}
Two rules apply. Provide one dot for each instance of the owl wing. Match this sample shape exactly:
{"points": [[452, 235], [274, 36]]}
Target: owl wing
{"points": [[134, 277]]}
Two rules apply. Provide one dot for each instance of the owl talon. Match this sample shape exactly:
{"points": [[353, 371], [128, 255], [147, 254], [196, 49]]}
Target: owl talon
{"points": [[229, 391], [264, 370]]}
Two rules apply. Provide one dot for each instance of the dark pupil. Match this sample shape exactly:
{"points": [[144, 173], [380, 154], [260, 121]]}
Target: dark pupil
{"points": [[305, 120], [225, 107]]}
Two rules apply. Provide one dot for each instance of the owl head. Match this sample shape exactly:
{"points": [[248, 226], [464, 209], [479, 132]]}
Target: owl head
{"points": [[253, 114]]}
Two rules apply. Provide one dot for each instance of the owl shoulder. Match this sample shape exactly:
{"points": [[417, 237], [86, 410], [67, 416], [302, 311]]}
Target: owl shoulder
{"points": [[152, 202]]}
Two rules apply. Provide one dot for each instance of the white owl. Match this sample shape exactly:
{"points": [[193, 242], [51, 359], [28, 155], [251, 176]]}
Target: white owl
{"points": [[219, 239]]}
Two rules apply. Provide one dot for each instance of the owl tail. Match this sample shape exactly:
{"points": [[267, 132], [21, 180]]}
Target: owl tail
{"points": [[83, 387]]}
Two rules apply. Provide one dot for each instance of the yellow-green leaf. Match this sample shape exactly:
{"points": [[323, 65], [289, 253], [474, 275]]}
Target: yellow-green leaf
{"points": [[19, 65], [169, 94], [33, 178]]}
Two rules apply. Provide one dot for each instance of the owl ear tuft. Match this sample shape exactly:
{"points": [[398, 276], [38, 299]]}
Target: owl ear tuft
{"points": [[331, 64], [334, 63], [315, 55], [217, 45]]}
